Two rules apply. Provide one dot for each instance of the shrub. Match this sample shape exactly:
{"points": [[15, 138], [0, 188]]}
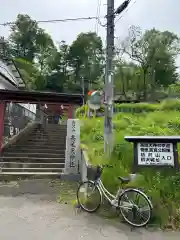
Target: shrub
{"points": [[170, 105], [83, 111], [162, 186], [166, 105], [136, 107]]}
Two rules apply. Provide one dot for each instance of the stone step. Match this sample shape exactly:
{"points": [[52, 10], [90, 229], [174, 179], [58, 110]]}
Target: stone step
{"points": [[42, 139], [31, 170], [32, 154], [31, 165], [43, 136], [45, 140], [53, 132], [31, 173], [40, 146], [58, 136], [35, 147], [60, 128], [42, 143], [31, 150], [47, 132], [54, 126], [31, 159]]}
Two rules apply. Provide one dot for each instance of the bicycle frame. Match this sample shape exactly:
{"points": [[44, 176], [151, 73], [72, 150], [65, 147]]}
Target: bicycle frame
{"points": [[110, 197], [105, 192], [126, 200]]}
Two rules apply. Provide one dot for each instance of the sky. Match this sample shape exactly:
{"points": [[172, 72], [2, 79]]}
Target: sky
{"points": [[161, 14]]}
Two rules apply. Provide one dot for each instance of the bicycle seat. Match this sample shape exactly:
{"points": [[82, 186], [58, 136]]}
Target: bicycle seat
{"points": [[124, 180]]}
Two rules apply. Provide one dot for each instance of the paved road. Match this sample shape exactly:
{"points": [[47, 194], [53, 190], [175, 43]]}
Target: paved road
{"points": [[34, 217]]}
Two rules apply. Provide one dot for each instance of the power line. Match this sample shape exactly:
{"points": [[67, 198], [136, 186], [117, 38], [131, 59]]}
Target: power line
{"points": [[55, 20], [97, 15], [97, 18]]}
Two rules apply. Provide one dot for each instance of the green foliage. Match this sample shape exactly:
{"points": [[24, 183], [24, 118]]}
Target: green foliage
{"points": [[163, 186], [136, 107], [83, 111], [154, 53], [28, 71], [79, 67], [166, 105]]}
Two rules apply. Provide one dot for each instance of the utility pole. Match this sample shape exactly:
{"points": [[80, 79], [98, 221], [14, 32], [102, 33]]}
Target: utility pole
{"points": [[82, 84], [109, 81], [109, 74]]}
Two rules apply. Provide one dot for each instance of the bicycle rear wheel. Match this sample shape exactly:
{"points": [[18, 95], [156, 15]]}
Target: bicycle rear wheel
{"points": [[89, 196], [135, 207]]}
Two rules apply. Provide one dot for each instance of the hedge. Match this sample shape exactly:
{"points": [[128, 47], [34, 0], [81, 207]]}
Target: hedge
{"points": [[136, 107]]}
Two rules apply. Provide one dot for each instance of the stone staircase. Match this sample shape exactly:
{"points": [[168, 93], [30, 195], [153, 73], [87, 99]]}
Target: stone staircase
{"points": [[42, 152]]}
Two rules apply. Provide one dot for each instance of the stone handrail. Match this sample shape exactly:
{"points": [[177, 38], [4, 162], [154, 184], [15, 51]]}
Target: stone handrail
{"points": [[30, 126], [84, 164]]}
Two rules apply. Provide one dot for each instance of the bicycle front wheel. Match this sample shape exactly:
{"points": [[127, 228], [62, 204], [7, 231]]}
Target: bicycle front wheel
{"points": [[89, 196], [135, 207]]}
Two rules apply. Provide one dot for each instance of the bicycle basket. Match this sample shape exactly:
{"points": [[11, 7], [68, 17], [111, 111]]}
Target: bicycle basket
{"points": [[91, 172]]}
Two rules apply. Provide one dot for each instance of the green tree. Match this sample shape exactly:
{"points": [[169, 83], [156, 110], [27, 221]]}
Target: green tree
{"points": [[86, 59], [60, 70], [23, 38], [144, 62], [33, 49], [27, 39], [155, 52], [29, 72], [4, 48]]}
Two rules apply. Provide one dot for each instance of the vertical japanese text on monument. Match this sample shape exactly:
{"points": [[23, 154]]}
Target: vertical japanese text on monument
{"points": [[155, 154], [73, 145]]}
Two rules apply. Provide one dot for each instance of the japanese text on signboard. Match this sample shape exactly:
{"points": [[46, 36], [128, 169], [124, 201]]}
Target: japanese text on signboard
{"points": [[73, 145], [155, 154]]}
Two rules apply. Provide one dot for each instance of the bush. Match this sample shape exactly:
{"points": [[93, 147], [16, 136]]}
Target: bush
{"points": [[162, 186], [167, 105], [83, 111], [136, 107]]}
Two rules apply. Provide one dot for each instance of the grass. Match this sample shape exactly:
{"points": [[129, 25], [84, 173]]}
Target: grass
{"points": [[163, 186], [67, 192]]}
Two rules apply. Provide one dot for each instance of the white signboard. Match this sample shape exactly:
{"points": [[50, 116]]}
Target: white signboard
{"points": [[72, 146], [155, 154]]}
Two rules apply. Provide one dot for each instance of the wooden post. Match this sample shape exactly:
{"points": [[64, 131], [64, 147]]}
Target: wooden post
{"points": [[70, 111]]}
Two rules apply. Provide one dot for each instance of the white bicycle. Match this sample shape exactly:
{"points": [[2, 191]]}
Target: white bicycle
{"points": [[133, 204]]}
